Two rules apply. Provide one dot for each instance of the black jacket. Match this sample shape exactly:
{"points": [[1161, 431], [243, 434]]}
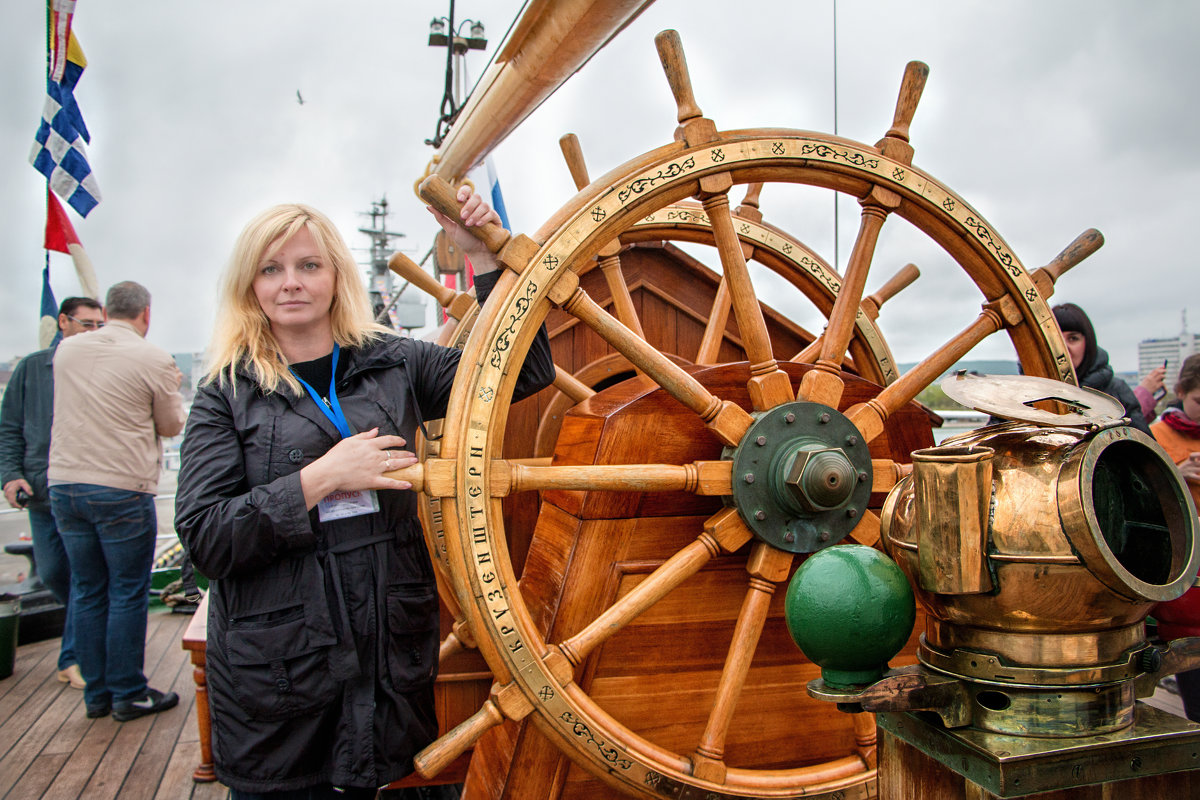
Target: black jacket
{"points": [[322, 637], [1099, 376], [25, 417]]}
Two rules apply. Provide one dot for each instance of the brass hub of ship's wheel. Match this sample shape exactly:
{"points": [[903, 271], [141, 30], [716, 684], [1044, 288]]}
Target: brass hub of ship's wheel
{"points": [[801, 477], [811, 477]]}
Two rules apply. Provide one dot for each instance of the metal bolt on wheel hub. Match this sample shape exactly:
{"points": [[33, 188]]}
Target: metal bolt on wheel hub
{"points": [[801, 477]]}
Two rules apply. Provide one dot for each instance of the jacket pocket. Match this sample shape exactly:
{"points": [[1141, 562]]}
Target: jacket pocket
{"points": [[412, 610], [277, 672]]}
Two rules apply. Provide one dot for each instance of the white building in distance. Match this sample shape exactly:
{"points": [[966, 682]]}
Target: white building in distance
{"points": [[1153, 352]]}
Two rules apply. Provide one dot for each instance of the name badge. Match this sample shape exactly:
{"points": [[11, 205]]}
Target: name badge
{"points": [[341, 505]]}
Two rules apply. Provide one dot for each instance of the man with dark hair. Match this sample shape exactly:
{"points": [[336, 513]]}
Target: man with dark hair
{"points": [[115, 395], [24, 449]]}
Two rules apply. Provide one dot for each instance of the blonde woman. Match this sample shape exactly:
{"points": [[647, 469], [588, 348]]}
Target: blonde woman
{"points": [[323, 614]]}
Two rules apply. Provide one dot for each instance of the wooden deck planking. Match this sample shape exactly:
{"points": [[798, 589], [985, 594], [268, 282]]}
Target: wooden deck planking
{"points": [[135, 736], [38, 739], [146, 773], [37, 779], [50, 750]]}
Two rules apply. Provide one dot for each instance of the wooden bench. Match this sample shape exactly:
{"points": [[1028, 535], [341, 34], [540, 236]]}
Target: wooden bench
{"points": [[462, 686]]}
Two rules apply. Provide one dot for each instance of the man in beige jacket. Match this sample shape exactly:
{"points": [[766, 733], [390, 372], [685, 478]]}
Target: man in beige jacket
{"points": [[115, 395]]}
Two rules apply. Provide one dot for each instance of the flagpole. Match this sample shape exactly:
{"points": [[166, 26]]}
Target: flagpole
{"points": [[43, 340]]}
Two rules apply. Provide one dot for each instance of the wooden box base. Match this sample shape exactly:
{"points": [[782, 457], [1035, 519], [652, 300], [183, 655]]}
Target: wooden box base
{"points": [[1157, 757]]}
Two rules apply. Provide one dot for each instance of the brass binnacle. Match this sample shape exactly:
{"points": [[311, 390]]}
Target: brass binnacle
{"points": [[1037, 553]]}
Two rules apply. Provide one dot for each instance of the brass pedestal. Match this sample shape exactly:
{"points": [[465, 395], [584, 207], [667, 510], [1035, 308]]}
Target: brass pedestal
{"points": [[1156, 758]]}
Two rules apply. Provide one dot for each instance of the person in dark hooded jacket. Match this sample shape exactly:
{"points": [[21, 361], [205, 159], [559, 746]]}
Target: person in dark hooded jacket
{"points": [[323, 613], [1091, 362]]}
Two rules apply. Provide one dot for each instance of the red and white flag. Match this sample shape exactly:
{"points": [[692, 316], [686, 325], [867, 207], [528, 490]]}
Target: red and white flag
{"points": [[61, 12], [61, 238]]}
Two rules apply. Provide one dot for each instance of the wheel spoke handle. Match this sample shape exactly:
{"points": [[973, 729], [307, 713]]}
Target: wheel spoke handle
{"points": [[571, 386], [886, 473], [699, 477], [767, 567], [442, 196], [823, 385], [610, 263], [672, 572], [769, 385], [870, 416], [714, 329], [727, 420], [895, 144], [505, 702], [457, 304], [414, 474], [901, 280], [1083, 246]]}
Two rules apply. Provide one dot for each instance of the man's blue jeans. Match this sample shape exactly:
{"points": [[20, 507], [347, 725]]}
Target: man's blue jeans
{"points": [[55, 571], [109, 536]]}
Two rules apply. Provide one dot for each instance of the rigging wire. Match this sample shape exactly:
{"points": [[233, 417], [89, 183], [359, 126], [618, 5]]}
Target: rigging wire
{"points": [[836, 195], [450, 107], [496, 51]]}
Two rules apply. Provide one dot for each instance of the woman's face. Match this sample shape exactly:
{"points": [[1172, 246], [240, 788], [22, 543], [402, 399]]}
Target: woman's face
{"points": [[1076, 346], [1191, 404], [294, 284]]}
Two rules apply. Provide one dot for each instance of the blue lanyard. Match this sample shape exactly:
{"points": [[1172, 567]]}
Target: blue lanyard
{"points": [[331, 408]]}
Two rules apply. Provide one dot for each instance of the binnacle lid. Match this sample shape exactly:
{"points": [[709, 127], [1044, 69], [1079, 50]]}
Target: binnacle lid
{"points": [[1028, 399]]}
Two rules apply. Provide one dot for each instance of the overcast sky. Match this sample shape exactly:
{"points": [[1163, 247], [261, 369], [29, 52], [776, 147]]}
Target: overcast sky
{"points": [[1049, 118]]}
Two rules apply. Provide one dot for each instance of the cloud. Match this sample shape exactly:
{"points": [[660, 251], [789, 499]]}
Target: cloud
{"points": [[1048, 118]]}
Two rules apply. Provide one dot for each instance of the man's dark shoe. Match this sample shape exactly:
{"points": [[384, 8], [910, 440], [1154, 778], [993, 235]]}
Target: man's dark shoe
{"points": [[151, 702], [99, 710]]}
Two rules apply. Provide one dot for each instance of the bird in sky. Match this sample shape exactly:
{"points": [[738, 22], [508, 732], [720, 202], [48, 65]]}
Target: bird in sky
{"points": [[299, 97]]}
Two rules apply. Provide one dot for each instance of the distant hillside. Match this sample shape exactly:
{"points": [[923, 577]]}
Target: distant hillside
{"points": [[982, 366], [934, 397]]}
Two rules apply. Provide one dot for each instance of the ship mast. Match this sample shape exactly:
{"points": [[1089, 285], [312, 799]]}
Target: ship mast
{"points": [[385, 298]]}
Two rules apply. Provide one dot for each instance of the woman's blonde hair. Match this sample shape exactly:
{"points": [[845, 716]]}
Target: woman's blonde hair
{"points": [[243, 332]]}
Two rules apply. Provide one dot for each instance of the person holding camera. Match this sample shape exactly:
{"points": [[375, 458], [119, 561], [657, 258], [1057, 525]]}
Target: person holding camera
{"points": [[25, 417]]}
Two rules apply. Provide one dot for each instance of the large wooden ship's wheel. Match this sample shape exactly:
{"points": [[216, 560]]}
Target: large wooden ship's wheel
{"points": [[775, 249], [794, 452]]}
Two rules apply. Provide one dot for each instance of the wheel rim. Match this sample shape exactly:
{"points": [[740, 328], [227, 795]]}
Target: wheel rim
{"points": [[508, 637]]}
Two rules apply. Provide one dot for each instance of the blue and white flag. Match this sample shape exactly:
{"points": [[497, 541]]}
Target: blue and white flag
{"points": [[483, 176], [58, 149], [48, 332], [496, 197]]}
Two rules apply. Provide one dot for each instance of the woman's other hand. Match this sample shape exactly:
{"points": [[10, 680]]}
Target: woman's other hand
{"points": [[355, 463], [475, 213], [1191, 467], [1154, 380]]}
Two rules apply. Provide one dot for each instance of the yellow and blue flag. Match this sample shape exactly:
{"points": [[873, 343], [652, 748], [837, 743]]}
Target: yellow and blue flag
{"points": [[58, 148]]}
